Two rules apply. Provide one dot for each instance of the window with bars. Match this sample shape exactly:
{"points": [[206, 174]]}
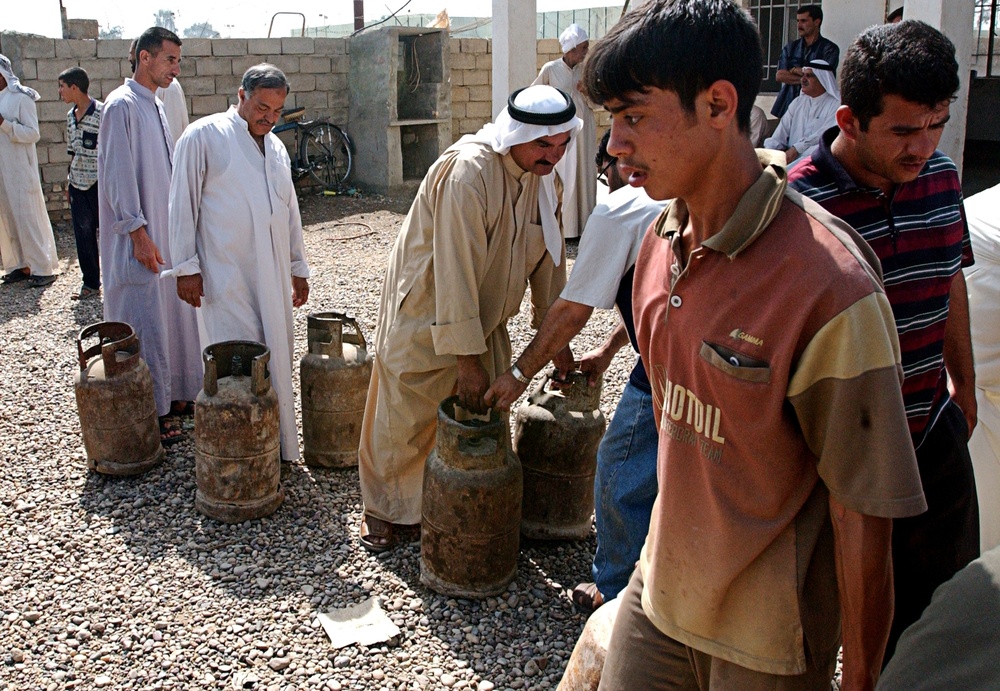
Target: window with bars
{"points": [[985, 29], [776, 21]]}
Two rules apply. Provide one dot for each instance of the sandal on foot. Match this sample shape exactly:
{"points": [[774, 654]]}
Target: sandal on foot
{"points": [[182, 408], [86, 293], [35, 281], [586, 596], [169, 435], [15, 276], [378, 536]]}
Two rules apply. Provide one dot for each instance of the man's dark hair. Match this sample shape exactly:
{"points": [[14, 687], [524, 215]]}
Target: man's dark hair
{"points": [[151, 40], [75, 76], [603, 157], [814, 11], [681, 46], [911, 59], [264, 76]]}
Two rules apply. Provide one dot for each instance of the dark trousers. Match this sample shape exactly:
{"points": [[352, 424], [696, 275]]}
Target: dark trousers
{"points": [[929, 549], [83, 204]]}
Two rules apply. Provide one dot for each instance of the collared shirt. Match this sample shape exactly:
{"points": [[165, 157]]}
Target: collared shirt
{"points": [[775, 372], [796, 54], [922, 241], [81, 144]]}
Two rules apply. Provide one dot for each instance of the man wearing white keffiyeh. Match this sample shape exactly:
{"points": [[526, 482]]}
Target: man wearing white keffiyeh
{"points": [[27, 246], [484, 225]]}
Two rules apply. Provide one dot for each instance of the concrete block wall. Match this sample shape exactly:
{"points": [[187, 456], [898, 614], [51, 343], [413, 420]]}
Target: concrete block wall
{"points": [[471, 83], [210, 74]]}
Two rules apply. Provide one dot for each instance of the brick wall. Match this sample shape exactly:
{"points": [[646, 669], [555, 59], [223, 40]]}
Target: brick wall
{"points": [[210, 73]]}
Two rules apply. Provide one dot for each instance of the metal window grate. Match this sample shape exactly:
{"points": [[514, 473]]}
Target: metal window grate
{"points": [[985, 29], [776, 22]]}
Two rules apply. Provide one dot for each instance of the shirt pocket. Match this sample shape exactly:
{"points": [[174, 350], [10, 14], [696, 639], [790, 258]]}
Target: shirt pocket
{"points": [[736, 364], [89, 140]]}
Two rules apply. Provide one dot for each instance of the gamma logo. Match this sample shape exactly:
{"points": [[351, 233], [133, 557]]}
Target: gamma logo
{"points": [[742, 335]]}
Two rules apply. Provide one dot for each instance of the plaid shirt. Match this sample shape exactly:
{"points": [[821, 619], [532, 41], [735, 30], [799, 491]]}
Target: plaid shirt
{"points": [[81, 138], [922, 240]]}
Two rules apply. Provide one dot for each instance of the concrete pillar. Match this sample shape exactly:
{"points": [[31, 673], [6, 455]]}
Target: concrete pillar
{"points": [[514, 29], [954, 20], [843, 20]]}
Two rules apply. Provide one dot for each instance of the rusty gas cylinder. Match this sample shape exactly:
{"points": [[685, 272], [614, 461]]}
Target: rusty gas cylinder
{"points": [[334, 377], [556, 436], [471, 507], [114, 398], [236, 436]]}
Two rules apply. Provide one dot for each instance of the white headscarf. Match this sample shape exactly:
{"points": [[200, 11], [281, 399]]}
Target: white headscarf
{"points": [[507, 132], [13, 82], [826, 76], [572, 36]]}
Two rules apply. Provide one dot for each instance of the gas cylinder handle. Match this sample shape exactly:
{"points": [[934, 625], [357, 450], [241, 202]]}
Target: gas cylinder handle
{"points": [[359, 338], [260, 383], [113, 338]]}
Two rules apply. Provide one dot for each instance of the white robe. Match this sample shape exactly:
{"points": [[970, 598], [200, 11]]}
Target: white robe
{"points": [[26, 238], [805, 121], [234, 219], [175, 108], [983, 282], [134, 151], [576, 169]]}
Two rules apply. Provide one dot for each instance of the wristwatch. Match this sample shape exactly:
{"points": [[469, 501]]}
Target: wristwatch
{"points": [[516, 372]]}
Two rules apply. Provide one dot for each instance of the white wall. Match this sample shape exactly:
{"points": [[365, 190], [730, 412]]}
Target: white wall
{"points": [[514, 29]]}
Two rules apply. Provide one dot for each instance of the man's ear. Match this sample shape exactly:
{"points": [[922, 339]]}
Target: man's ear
{"points": [[722, 101], [848, 122]]}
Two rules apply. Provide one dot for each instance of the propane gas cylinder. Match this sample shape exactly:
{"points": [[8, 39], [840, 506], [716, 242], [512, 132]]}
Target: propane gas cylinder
{"points": [[334, 377], [114, 398], [236, 435], [471, 507], [556, 436]]}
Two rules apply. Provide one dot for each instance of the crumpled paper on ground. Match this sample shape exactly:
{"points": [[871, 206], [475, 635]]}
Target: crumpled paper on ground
{"points": [[365, 624]]}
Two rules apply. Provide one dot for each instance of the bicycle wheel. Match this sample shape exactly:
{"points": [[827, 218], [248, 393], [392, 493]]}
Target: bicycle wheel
{"points": [[326, 153]]}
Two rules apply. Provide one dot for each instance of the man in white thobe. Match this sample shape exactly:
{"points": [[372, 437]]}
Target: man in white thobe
{"points": [[134, 163], [579, 183], [982, 281], [484, 225], [27, 246], [236, 233], [810, 114]]}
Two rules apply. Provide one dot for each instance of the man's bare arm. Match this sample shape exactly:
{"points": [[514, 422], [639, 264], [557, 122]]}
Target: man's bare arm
{"points": [[597, 361], [958, 358], [863, 550]]}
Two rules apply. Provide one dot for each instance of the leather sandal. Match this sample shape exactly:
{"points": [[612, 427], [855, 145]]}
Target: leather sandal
{"points": [[378, 536], [587, 597]]}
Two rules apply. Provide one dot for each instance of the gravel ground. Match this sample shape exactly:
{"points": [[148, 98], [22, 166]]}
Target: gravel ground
{"points": [[119, 583]]}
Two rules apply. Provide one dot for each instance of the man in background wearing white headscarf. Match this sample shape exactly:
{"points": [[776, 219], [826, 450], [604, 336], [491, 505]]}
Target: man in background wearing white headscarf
{"points": [[580, 193], [27, 246], [810, 114], [483, 226]]}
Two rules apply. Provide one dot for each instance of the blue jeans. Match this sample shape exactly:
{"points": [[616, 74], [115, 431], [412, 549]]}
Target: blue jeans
{"points": [[624, 490]]}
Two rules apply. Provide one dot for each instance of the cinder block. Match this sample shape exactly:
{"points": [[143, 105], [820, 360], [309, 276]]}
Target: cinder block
{"points": [[48, 89], [197, 48], [458, 109], [37, 47], [468, 126], [53, 133], [484, 61], [228, 85], [76, 48], [455, 45], [314, 64], [207, 105], [459, 94], [199, 86], [473, 45], [51, 111], [113, 47], [341, 64], [43, 154], [481, 93], [205, 67], [464, 61], [58, 154], [49, 70], [29, 70], [289, 64], [304, 82], [229, 46], [476, 77], [312, 101], [457, 78], [549, 45], [241, 65], [297, 45], [53, 172], [105, 69], [263, 46], [108, 85], [479, 109], [125, 68], [330, 46]]}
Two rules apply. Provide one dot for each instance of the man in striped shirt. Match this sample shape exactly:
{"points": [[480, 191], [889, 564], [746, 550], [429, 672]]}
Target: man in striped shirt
{"points": [[881, 172]]}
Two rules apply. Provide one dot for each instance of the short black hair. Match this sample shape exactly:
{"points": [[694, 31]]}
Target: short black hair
{"points": [[895, 15], [264, 76], [75, 76], [151, 40], [814, 11], [602, 157], [681, 46], [910, 59]]}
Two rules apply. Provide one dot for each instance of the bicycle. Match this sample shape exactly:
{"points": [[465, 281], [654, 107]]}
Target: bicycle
{"points": [[322, 150]]}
